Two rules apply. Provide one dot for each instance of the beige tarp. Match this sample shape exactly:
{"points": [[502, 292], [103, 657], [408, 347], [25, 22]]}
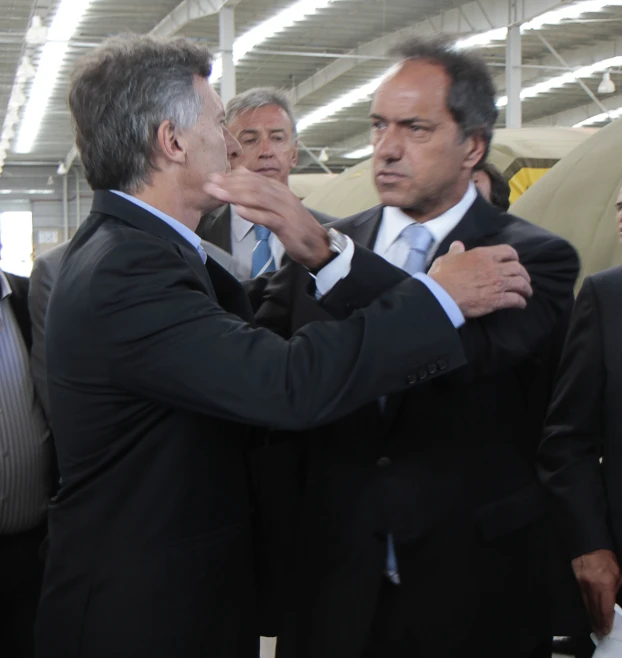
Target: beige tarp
{"points": [[303, 184], [525, 154], [576, 199]]}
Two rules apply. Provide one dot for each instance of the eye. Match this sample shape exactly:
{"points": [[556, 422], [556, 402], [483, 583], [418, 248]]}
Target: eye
{"points": [[377, 124]]}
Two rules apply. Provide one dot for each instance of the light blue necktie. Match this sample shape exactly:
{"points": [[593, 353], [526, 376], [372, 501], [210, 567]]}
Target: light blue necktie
{"points": [[263, 260], [419, 241]]}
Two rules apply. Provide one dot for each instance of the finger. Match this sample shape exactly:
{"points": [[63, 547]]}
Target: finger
{"points": [[502, 252], [259, 216], [514, 268], [511, 300], [606, 609], [456, 247], [518, 285]]}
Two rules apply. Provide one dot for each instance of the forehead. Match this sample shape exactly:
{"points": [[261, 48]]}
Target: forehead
{"points": [[211, 100], [619, 199], [416, 88], [271, 117]]}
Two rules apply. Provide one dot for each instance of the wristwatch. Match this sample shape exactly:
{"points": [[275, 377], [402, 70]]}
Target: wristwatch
{"points": [[337, 242]]}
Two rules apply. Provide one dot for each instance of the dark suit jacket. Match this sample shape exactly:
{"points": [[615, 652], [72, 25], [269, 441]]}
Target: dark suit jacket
{"points": [[585, 422], [19, 305], [216, 227], [154, 371], [448, 468]]}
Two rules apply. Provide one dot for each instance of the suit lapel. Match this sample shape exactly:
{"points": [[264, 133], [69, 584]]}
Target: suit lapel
{"points": [[364, 228], [216, 228], [480, 221], [231, 295]]}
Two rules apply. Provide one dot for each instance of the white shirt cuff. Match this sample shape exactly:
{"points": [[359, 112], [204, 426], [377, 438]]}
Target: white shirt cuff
{"points": [[443, 298], [337, 269]]}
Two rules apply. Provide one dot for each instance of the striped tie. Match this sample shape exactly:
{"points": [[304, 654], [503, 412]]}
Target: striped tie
{"points": [[263, 260]]}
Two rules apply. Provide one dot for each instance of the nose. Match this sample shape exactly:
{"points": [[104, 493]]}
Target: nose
{"points": [[266, 148], [389, 144], [233, 146]]}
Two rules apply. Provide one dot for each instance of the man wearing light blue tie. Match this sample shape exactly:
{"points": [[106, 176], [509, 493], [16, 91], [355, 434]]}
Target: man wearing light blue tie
{"points": [[421, 531], [262, 121]]}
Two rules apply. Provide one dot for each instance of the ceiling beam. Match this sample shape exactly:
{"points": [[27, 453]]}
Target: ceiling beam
{"points": [[478, 16], [574, 115]]}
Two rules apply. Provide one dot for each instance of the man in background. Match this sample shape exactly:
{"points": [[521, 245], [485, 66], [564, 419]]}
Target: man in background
{"points": [[263, 122], [26, 474], [492, 185]]}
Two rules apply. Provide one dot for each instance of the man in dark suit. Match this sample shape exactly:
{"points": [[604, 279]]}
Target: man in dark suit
{"points": [[26, 474], [155, 369], [262, 121], [580, 462], [421, 522]]}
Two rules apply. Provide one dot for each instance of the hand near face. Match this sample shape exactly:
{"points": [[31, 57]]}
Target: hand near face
{"points": [[266, 201], [482, 280]]}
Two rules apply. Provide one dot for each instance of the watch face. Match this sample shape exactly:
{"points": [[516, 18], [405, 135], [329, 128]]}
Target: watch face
{"points": [[338, 241]]}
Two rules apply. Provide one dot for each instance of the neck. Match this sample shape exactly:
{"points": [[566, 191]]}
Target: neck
{"points": [[169, 198], [434, 208]]}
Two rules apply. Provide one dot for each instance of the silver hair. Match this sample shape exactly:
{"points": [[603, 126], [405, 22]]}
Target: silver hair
{"points": [[257, 97], [119, 96]]}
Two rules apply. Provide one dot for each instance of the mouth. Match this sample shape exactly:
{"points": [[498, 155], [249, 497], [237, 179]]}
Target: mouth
{"points": [[388, 176], [267, 171]]}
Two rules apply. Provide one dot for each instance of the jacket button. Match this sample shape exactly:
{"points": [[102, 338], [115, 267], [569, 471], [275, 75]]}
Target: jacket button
{"points": [[412, 379], [442, 364], [384, 461], [432, 368], [422, 374]]}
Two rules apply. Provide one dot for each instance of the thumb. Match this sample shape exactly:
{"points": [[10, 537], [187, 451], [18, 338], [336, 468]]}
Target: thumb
{"points": [[456, 248]]}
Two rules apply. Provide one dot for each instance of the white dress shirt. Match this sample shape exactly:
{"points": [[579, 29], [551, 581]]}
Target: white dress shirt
{"points": [[393, 248]]}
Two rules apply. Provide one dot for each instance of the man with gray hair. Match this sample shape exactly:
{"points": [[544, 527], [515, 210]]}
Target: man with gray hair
{"points": [[156, 370], [263, 122]]}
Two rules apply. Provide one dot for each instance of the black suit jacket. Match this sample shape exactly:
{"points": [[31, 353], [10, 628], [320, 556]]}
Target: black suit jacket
{"points": [[19, 304], [584, 423], [448, 468], [154, 372]]}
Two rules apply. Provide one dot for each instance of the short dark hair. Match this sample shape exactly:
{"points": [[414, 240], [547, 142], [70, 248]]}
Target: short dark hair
{"points": [[471, 98], [121, 93], [257, 97], [499, 187]]}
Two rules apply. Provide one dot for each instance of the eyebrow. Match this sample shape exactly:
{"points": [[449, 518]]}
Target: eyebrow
{"points": [[254, 131], [401, 122]]}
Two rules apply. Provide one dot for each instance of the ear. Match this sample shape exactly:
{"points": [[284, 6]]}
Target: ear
{"points": [[172, 146], [476, 147], [294, 160]]}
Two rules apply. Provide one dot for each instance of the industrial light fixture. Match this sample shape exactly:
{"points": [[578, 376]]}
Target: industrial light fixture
{"points": [[323, 156], [289, 16], [606, 85], [37, 32], [359, 154], [26, 70], [554, 17], [5, 191], [62, 170], [64, 24]]}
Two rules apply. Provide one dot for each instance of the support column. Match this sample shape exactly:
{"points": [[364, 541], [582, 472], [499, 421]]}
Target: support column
{"points": [[513, 75], [227, 37]]}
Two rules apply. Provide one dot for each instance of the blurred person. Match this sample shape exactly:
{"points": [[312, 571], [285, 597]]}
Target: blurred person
{"points": [[156, 370], [579, 461], [262, 120], [422, 525], [26, 474], [492, 185]]}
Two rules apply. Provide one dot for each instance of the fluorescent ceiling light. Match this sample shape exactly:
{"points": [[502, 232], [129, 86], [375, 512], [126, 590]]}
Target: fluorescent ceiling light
{"points": [[66, 20], [26, 191], [347, 100], [359, 153], [600, 118], [564, 79], [295, 13], [571, 12]]}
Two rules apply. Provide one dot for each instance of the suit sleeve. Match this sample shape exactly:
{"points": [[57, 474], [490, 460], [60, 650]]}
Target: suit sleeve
{"points": [[38, 297], [569, 455], [165, 339], [505, 338]]}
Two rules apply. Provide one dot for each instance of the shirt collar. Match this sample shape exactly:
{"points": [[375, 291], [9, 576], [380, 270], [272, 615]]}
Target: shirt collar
{"points": [[396, 220], [5, 286], [182, 229], [240, 227]]}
